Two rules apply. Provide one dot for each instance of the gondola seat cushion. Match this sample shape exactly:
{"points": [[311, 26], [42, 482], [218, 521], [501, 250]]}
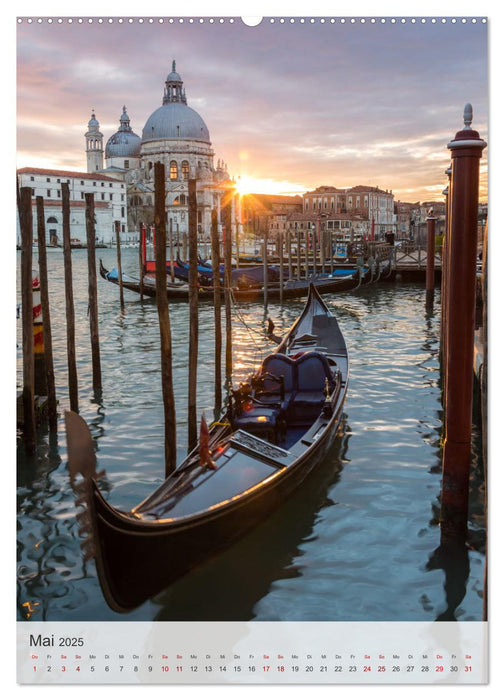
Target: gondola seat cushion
{"points": [[277, 365], [312, 370]]}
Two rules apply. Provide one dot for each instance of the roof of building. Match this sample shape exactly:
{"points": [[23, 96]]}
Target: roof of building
{"points": [[366, 188], [269, 200], [66, 174], [325, 189], [328, 189], [124, 143], [174, 119]]}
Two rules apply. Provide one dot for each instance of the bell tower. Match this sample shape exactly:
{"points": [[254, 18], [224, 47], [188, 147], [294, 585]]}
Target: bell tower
{"points": [[94, 145]]}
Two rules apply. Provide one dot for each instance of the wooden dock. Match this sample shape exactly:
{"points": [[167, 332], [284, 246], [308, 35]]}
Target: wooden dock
{"points": [[411, 263]]}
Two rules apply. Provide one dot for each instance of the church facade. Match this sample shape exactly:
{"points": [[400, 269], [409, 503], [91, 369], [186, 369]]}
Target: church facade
{"points": [[175, 135]]}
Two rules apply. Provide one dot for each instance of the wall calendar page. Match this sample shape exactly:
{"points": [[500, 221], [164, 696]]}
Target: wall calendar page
{"points": [[251, 350]]}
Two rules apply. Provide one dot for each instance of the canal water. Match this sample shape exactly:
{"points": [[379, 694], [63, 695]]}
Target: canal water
{"points": [[361, 538]]}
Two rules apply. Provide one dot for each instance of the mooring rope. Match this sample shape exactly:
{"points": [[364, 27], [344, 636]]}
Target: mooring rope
{"points": [[251, 330]]}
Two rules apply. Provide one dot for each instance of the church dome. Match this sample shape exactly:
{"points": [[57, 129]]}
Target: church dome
{"points": [[124, 143], [174, 119]]}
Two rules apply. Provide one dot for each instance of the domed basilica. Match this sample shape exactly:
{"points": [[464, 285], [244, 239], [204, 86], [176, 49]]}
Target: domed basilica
{"points": [[175, 135]]}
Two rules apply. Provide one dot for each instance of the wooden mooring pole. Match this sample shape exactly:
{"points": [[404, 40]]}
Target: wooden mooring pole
{"points": [[308, 232], [466, 149], [298, 254], [69, 300], [217, 311], [170, 443], [26, 226], [265, 271], [226, 212], [172, 253], [142, 253], [192, 437], [93, 292], [289, 253], [429, 275], [281, 250], [117, 226], [52, 405]]}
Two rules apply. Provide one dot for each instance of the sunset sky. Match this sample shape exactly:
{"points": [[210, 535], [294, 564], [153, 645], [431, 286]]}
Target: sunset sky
{"points": [[289, 106]]}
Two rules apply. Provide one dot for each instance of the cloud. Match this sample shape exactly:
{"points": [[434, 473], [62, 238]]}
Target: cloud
{"points": [[320, 104]]}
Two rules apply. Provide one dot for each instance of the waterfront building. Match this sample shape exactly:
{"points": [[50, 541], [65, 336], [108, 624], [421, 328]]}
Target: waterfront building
{"points": [[324, 199], [258, 211], [363, 203], [419, 214], [405, 222], [109, 195]]}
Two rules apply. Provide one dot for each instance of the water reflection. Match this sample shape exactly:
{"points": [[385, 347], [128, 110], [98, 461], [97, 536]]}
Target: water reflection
{"points": [[452, 557]]}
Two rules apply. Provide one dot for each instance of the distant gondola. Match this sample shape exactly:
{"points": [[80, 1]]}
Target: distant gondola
{"points": [[291, 290], [276, 428]]}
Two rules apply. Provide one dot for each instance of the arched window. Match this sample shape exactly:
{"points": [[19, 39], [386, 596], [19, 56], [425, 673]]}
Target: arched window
{"points": [[173, 170], [52, 220], [182, 199], [185, 169]]}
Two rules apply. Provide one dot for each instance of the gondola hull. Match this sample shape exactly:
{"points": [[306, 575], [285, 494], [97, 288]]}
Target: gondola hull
{"points": [[163, 553], [275, 430]]}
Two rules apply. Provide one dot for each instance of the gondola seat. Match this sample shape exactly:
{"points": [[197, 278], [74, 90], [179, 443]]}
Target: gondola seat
{"points": [[274, 367], [304, 387], [312, 371]]}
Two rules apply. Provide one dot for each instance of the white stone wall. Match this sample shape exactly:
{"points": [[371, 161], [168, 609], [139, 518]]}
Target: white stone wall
{"points": [[105, 230], [105, 190]]}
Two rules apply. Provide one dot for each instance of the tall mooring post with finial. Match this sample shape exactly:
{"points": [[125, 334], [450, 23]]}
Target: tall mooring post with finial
{"points": [[466, 150], [444, 277]]}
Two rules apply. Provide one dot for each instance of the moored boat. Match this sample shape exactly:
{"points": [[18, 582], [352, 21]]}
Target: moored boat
{"points": [[292, 290], [278, 425]]}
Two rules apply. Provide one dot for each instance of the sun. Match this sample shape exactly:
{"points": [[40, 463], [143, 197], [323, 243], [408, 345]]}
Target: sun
{"points": [[246, 184]]}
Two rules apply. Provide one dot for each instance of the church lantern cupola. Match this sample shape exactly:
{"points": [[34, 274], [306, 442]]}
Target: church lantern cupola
{"points": [[173, 91]]}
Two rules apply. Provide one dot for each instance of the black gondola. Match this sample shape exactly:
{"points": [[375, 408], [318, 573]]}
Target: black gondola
{"points": [[291, 290], [276, 428]]}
